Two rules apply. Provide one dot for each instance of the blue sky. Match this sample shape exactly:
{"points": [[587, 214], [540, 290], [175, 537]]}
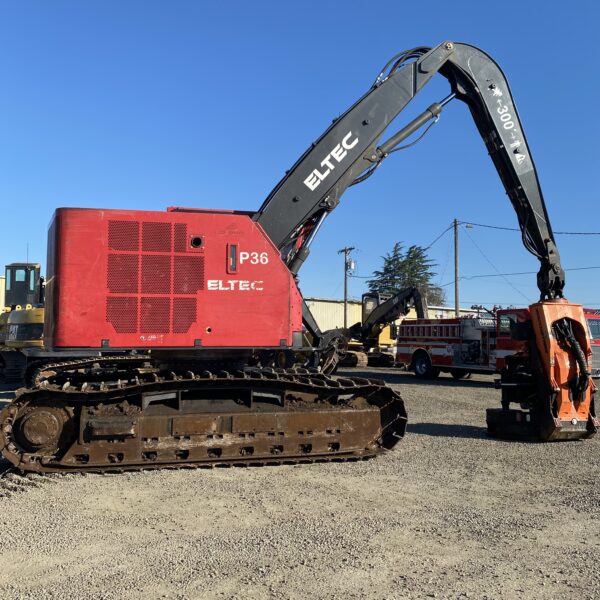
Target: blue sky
{"points": [[142, 105]]}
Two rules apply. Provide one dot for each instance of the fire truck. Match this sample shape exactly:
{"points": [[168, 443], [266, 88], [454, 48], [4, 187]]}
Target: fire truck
{"points": [[592, 316], [475, 344]]}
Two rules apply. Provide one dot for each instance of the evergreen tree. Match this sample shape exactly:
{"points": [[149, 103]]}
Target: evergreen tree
{"points": [[417, 267], [402, 269], [391, 278]]}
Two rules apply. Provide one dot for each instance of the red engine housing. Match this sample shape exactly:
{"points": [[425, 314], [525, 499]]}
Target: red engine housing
{"points": [[174, 279]]}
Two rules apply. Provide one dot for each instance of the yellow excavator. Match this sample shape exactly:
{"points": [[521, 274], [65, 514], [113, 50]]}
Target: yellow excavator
{"points": [[370, 341], [22, 321]]}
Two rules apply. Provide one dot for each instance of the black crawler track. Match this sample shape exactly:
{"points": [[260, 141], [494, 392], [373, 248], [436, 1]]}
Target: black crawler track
{"points": [[126, 413]]}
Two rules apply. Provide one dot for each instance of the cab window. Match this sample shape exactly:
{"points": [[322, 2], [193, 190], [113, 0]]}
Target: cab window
{"points": [[505, 323], [594, 325]]}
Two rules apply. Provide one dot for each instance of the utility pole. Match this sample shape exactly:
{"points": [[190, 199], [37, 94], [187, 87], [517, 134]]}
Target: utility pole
{"points": [[347, 267], [456, 294]]}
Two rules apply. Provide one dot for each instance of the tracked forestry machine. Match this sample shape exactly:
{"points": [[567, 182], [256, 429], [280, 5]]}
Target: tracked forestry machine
{"points": [[22, 322], [378, 312], [191, 294]]}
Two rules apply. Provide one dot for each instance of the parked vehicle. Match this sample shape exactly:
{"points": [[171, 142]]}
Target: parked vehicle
{"points": [[464, 345]]}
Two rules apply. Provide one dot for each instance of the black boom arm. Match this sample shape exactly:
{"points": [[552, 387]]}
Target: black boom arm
{"points": [[350, 150], [387, 312]]}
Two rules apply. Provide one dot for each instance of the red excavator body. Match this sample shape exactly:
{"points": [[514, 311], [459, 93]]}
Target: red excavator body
{"points": [[174, 279]]}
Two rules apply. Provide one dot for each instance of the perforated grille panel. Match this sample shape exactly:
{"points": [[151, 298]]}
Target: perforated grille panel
{"points": [[156, 274], [180, 237], [122, 275], [156, 237], [122, 312], [154, 280], [124, 235], [189, 274], [155, 315]]}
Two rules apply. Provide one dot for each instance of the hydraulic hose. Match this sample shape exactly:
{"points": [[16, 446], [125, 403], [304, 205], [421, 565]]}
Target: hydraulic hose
{"points": [[563, 330]]}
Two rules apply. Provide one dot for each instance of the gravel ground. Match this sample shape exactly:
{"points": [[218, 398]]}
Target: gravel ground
{"points": [[447, 514]]}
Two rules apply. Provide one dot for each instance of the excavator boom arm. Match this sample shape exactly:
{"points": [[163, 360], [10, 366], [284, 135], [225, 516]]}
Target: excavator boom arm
{"points": [[350, 149], [387, 312]]}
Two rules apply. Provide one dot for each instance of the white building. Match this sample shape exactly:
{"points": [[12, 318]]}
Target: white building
{"points": [[329, 313]]}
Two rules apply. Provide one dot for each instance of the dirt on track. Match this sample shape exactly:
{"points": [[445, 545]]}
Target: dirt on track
{"points": [[449, 513]]}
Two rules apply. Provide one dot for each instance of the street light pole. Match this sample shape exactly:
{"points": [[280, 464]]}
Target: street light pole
{"points": [[347, 266]]}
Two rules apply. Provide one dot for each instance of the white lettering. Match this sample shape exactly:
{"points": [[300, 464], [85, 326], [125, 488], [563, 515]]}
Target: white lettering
{"points": [[327, 161], [152, 338], [321, 176], [347, 144], [312, 182], [339, 152], [505, 117], [232, 285], [254, 258]]}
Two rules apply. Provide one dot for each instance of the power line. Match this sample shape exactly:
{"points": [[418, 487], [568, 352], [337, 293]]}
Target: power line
{"points": [[446, 261], [485, 275], [439, 236], [498, 273], [495, 268], [516, 229], [425, 248]]}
